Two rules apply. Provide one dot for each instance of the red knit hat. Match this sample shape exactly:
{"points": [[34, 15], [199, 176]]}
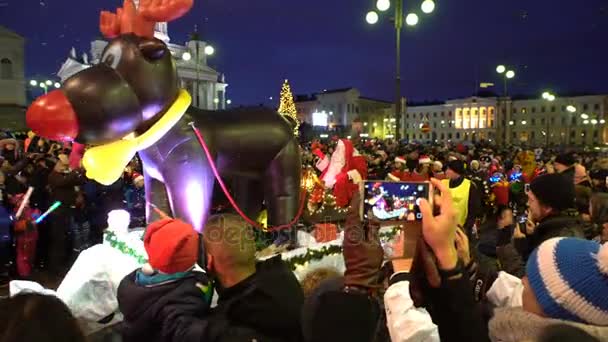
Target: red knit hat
{"points": [[172, 246]]}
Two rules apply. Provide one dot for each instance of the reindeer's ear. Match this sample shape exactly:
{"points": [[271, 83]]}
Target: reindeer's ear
{"points": [[152, 49]]}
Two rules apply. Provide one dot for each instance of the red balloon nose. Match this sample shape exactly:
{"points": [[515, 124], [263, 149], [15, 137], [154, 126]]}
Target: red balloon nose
{"points": [[52, 116]]}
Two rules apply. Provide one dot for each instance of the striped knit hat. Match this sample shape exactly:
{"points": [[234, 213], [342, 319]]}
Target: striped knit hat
{"points": [[569, 278]]}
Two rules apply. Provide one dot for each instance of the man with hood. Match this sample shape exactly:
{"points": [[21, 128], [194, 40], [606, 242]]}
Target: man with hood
{"points": [[257, 300]]}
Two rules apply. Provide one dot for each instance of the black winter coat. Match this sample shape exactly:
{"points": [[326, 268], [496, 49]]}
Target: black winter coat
{"points": [[263, 307], [563, 225], [141, 306]]}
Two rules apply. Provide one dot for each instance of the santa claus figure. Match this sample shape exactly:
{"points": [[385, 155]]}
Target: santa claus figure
{"points": [[343, 171]]}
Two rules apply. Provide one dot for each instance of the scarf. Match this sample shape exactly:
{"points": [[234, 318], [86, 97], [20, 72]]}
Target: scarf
{"points": [[516, 325], [106, 163]]}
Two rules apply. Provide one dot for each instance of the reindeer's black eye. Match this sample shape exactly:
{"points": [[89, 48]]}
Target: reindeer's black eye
{"points": [[152, 50], [112, 56]]}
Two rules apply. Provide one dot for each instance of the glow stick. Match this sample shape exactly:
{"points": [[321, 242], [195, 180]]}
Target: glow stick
{"points": [[26, 199], [160, 213], [49, 210]]}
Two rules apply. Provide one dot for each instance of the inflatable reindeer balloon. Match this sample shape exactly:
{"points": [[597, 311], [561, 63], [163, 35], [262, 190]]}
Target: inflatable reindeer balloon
{"points": [[130, 103]]}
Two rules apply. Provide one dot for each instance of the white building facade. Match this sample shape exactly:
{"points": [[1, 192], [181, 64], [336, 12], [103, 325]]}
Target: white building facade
{"points": [[578, 120], [12, 80], [344, 108]]}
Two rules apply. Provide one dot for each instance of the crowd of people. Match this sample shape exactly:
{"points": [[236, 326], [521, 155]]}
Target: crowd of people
{"points": [[78, 221], [511, 249]]}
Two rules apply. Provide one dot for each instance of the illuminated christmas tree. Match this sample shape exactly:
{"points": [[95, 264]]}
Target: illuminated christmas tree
{"points": [[287, 107]]}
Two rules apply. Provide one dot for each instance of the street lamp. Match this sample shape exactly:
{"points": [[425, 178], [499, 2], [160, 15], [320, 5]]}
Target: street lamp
{"points": [[371, 17], [548, 96], [571, 108], [229, 102], [428, 6], [383, 5], [411, 19], [45, 84], [186, 56], [507, 75], [584, 116], [209, 50]]}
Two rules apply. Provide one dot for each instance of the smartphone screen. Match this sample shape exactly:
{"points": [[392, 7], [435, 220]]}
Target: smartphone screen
{"points": [[527, 188], [522, 219], [394, 201], [396, 204]]}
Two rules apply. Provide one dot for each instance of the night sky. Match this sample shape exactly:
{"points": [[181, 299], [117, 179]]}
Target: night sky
{"points": [[324, 44]]}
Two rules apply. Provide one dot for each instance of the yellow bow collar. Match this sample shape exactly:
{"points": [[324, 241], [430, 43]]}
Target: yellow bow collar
{"points": [[106, 163]]}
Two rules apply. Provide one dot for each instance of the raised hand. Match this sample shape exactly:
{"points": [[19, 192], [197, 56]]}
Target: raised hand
{"points": [[462, 246], [164, 10], [440, 231]]}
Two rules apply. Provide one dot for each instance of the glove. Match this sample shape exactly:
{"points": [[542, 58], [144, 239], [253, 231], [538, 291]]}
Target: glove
{"points": [[363, 254]]}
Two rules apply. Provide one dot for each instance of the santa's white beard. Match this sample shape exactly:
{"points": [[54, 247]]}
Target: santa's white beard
{"points": [[336, 163]]}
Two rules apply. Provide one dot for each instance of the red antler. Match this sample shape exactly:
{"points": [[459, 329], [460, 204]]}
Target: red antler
{"points": [[164, 10], [141, 21]]}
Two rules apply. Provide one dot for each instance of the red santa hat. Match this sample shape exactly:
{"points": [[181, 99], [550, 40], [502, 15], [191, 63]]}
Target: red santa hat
{"points": [[137, 177], [400, 159], [424, 159]]}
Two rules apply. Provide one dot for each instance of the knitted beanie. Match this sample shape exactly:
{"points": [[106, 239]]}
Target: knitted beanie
{"points": [[566, 159], [457, 166], [554, 190], [172, 246], [569, 278]]}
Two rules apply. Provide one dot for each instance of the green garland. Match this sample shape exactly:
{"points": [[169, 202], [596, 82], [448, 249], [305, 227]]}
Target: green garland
{"points": [[294, 262], [313, 254], [122, 247], [318, 254]]}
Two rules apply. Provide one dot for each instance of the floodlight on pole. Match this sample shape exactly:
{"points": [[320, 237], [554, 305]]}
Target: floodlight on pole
{"points": [[209, 50], [510, 74], [383, 5], [501, 69], [428, 6], [411, 19], [371, 17]]}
